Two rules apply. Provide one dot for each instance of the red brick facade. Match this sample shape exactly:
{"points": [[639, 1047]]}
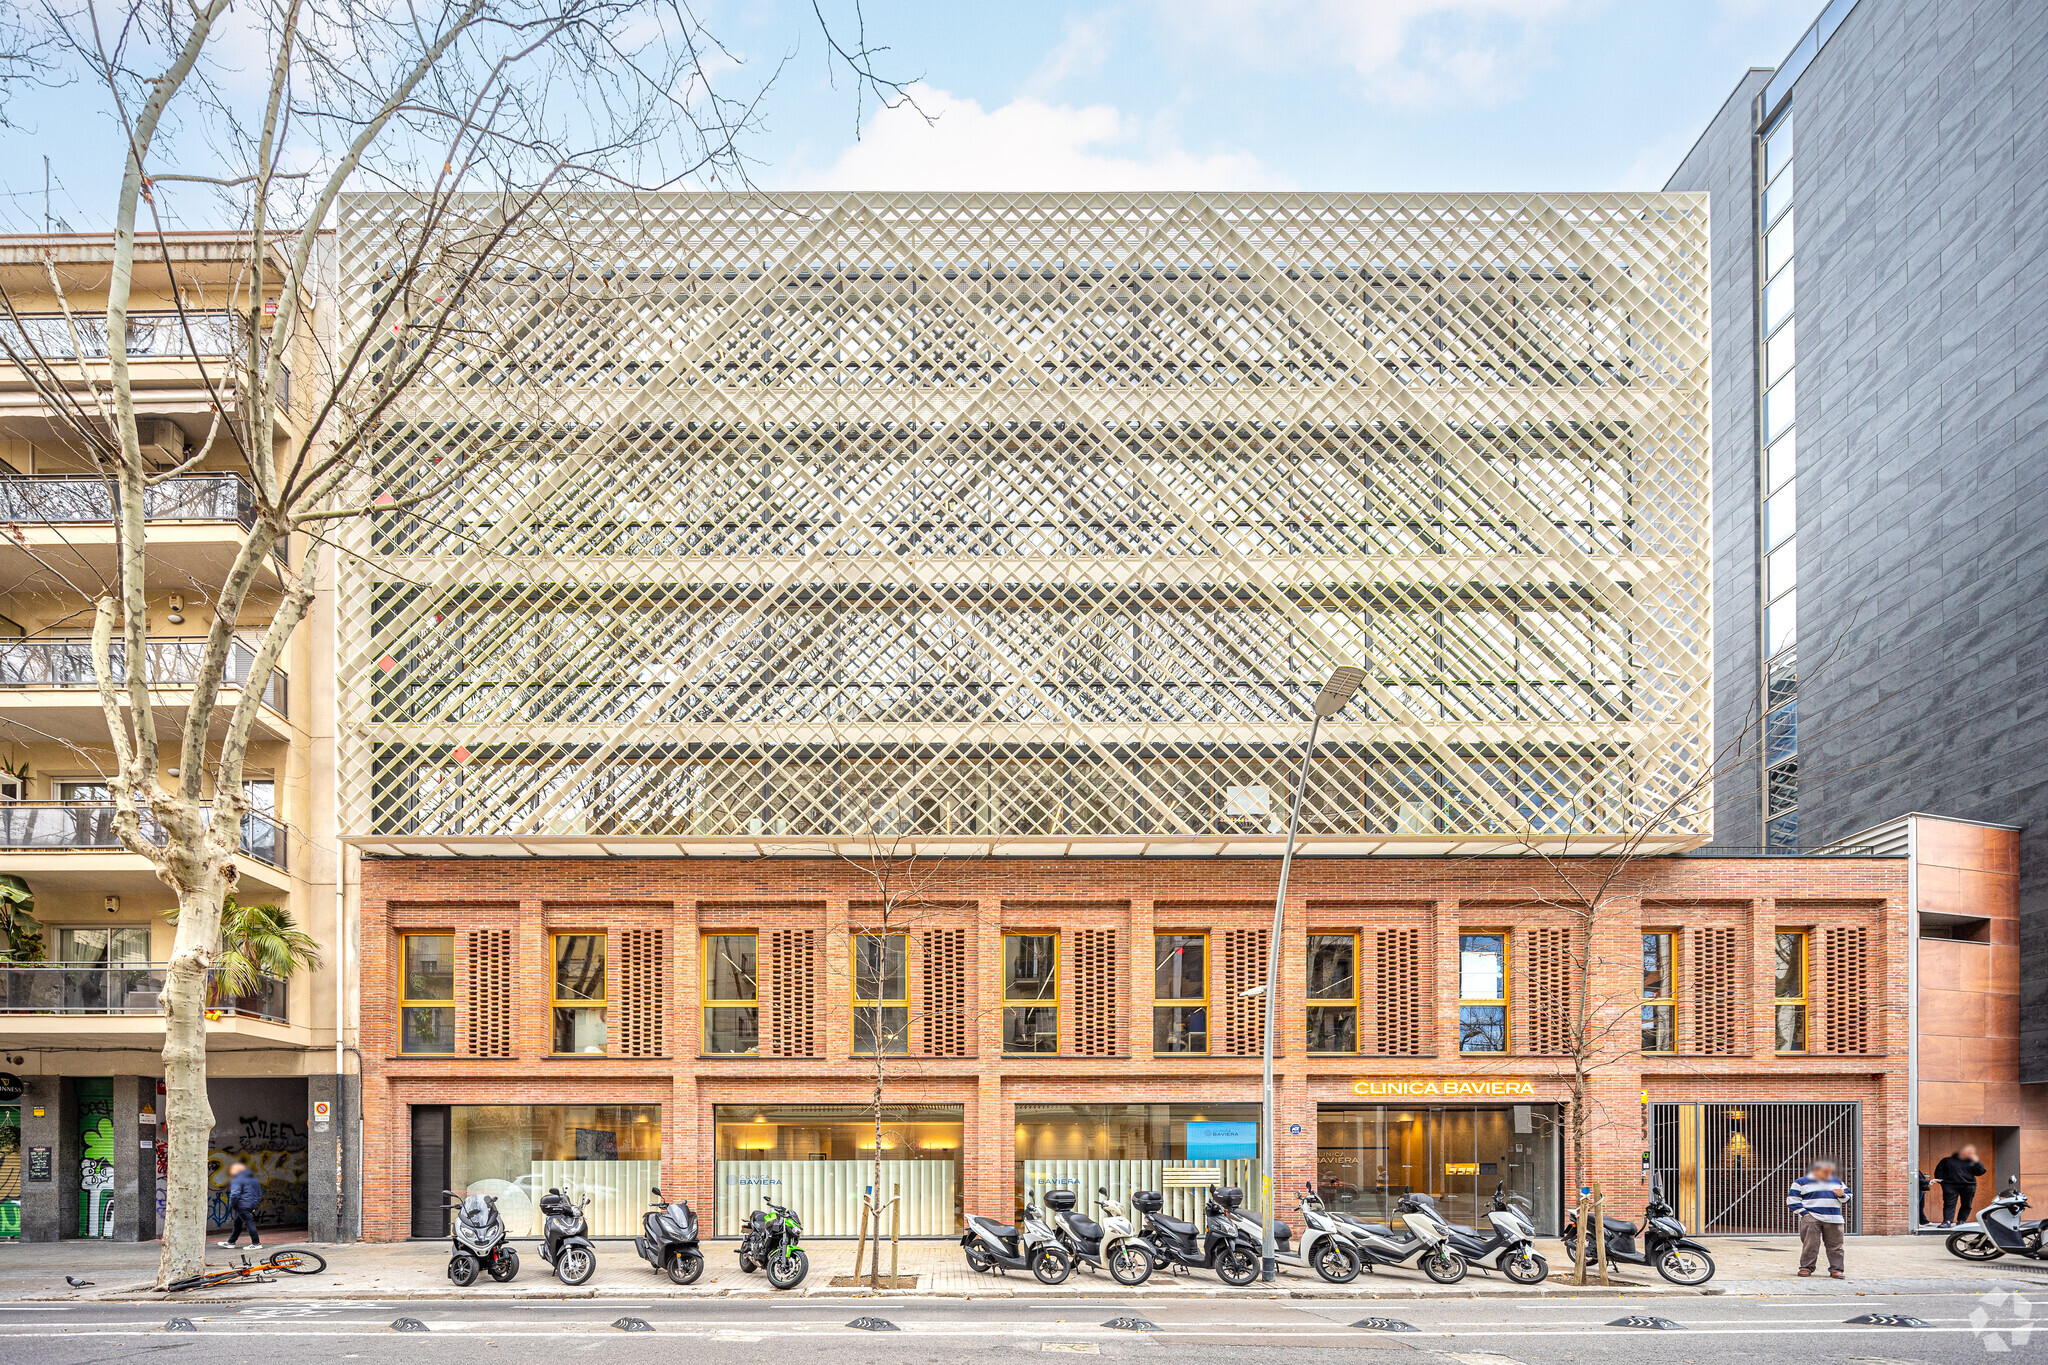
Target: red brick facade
{"points": [[1408, 911]]}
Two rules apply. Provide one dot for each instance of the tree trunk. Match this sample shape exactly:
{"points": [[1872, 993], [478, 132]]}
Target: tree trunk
{"points": [[875, 1179], [186, 1110]]}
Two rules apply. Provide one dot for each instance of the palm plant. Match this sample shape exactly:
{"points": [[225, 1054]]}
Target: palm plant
{"points": [[21, 937], [259, 942]]}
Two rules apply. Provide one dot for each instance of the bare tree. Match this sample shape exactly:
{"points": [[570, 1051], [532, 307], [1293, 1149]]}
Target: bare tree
{"points": [[481, 114]]}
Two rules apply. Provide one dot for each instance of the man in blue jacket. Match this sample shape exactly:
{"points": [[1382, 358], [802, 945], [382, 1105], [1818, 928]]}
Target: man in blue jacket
{"points": [[1816, 1200], [245, 1192]]}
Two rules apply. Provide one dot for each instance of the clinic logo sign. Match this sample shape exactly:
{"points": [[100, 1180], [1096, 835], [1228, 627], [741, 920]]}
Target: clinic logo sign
{"points": [[2002, 1321], [753, 1180]]}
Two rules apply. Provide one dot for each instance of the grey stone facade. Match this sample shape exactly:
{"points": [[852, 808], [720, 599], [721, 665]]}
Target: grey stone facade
{"points": [[1922, 256]]}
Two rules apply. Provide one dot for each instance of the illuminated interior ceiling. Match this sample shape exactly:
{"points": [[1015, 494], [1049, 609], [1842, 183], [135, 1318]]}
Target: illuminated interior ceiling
{"points": [[1030, 525]]}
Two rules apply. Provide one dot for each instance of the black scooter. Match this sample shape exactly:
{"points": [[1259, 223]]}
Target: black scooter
{"points": [[478, 1239], [1224, 1245], [565, 1238], [668, 1240], [1666, 1246], [2000, 1231]]}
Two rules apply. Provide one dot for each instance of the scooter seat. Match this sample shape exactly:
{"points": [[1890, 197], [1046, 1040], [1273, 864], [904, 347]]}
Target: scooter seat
{"points": [[1174, 1225], [1000, 1229], [1621, 1226], [1085, 1229]]}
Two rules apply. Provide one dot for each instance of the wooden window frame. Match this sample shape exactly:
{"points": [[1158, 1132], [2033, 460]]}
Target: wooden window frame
{"points": [[1051, 1002], [1507, 993], [708, 1002], [1668, 1001], [1801, 1002], [558, 1002], [1316, 1002], [860, 1002], [1201, 1002], [407, 1003]]}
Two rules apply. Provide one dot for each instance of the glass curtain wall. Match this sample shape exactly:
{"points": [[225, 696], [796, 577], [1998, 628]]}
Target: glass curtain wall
{"points": [[820, 1160], [1369, 1156], [1179, 1150], [1778, 493], [517, 1152]]}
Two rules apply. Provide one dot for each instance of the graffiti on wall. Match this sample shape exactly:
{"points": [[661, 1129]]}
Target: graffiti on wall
{"points": [[95, 1100], [275, 1154]]}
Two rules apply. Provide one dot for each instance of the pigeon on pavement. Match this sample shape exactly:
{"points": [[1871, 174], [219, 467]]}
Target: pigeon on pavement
{"points": [[77, 1283]]}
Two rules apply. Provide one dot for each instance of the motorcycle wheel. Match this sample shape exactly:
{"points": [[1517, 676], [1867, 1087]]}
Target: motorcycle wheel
{"points": [[788, 1271], [1236, 1266], [574, 1265], [1525, 1267], [504, 1265], [1130, 1265], [685, 1266], [462, 1269], [1051, 1265], [1445, 1267], [1337, 1263], [748, 1265], [978, 1261], [1973, 1246], [1681, 1265]]}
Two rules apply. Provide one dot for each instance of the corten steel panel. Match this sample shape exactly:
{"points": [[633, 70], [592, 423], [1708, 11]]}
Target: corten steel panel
{"points": [[1031, 524]]}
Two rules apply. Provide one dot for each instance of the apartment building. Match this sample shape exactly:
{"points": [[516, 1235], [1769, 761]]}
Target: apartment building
{"points": [[1880, 499], [81, 1029]]}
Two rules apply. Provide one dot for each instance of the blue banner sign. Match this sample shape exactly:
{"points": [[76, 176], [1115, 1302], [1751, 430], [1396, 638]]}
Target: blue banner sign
{"points": [[1222, 1141]]}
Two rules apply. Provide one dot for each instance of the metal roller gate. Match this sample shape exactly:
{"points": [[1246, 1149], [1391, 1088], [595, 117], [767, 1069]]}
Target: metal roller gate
{"points": [[1726, 1166]]}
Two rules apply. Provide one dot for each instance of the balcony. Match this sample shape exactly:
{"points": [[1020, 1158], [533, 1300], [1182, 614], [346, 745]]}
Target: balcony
{"points": [[81, 499], [71, 846], [170, 661], [125, 988], [183, 340], [63, 532]]}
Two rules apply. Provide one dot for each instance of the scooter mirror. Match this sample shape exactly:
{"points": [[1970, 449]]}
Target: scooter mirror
{"points": [[657, 1191]]}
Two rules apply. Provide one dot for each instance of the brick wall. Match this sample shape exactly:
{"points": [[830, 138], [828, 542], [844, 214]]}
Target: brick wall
{"points": [[1407, 911]]}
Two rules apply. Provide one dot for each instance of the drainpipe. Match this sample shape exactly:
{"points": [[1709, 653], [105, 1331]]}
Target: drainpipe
{"points": [[341, 1127], [1913, 1020]]}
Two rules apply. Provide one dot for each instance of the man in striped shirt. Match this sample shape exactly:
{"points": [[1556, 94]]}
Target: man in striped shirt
{"points": [[1816, 1201]]}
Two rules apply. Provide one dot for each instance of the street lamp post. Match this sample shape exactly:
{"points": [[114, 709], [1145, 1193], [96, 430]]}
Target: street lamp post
{"points": [[1337, 692]]}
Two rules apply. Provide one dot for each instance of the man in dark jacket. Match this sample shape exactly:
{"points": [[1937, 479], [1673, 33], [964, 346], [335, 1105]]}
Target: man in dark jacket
{"points": [[1957, 1175], [245, 1192]]}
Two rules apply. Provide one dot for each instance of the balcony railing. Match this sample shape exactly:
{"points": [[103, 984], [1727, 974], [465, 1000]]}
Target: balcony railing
{"points": [[197, 333], [90, 825], [72, 499], [171, 661], [124, 988]]}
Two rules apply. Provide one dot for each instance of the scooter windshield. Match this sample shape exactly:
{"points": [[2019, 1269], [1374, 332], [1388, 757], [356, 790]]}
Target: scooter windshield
{"points": [[476, 1211]]}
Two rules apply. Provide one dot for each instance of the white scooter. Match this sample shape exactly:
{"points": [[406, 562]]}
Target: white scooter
{"points": [[1427, 1241], [993, 1247], [1326, 1246], [1111, 1242]]}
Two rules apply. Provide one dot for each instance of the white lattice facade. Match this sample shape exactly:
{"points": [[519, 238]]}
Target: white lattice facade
{"points": [[1031, 524]]}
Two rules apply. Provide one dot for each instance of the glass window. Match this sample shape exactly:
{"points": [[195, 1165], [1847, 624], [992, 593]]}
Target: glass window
{"points": [[1782, 787], [1782, 834], [1781, 623], [1791, 991], [1781, 461], [1031, 1013], [1778, 405], [819, 1159], [1778, 150], [1778, 198], [1781, 570], [516, 1153], [1781, 733], [1782, 680], [1369, 1156], [579, 994], [1778, 245], [881, 1005], [1781, 515], [1777, 304], [1333, 992], [1482, 993], [1659, 992], [1126, 1147], [1180, 992], [426, 1004], [732, 1015], [93, 793], [104, 945], [1780, 353]]}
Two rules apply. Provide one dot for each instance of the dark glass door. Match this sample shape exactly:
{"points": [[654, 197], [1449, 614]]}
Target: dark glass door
{"points": [[429, 1170]]}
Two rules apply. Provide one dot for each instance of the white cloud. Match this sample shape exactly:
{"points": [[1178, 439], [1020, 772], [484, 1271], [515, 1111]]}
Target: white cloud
{"points": [[1029, 144], [1081, 51], [1418, 54]]}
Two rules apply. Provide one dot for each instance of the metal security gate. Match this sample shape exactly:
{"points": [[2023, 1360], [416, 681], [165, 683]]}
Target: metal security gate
{"points": [[1726, 1166]]}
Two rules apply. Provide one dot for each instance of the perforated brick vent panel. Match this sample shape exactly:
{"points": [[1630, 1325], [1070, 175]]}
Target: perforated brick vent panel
{"points": [[1845, 963], [641, 971], [487, 998], [942, 971], [1716, 991], [1395, 1006], [1094, 974], [792, 962], [1547, 991], [1244, 966]]}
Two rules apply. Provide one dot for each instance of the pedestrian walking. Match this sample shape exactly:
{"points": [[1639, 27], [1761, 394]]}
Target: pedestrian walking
{"points": [[245, 1192], [1957, 1175], [1816, 1201]]}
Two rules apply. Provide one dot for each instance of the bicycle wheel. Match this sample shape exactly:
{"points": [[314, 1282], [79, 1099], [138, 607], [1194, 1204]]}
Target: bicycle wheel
{"points": [[296, 1261]]}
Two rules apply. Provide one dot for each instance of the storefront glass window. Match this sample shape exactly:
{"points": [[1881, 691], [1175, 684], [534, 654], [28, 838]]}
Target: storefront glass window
{"points": [[1177, 1149], [1658, 1033], [1369, 1156], [579, 993], [518, 1152], [1031, 1016], [1180, 993], [426, 1012], [881, 1008], [732, 1016], [1482, 993], [820, 1160], [1791, 991], [1333, 993]]}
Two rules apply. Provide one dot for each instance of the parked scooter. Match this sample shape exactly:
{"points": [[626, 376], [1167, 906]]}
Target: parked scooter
{"points": [[1511, 1244], [565, 1238], [1228, 1245], [2001, 1231], [1094, 1245], [478, 1240], [1427, 1240], [1323, 1248], [993, 1247], [770, 1244], [668, 1240], [1665, 1244]]}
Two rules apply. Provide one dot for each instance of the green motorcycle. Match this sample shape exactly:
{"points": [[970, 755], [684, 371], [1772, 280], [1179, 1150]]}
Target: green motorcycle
{"points": [[770, 1244]]}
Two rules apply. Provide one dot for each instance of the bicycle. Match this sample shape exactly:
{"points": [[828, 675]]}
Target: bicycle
{"points": [[290, 1260]]}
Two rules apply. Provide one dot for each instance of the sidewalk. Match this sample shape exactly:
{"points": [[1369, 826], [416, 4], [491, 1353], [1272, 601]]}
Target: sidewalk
{"points": [[417, 1270]]}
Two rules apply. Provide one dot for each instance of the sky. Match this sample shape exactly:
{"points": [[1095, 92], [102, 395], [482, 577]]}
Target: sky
{"points": [[1381, 95]]}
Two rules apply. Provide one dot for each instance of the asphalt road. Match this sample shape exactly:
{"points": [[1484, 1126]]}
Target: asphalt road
{"points": [[1735, 1330]]}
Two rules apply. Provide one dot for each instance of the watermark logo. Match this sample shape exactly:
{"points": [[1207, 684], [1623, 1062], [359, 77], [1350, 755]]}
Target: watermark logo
{"points": [[2002, 1320]]}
